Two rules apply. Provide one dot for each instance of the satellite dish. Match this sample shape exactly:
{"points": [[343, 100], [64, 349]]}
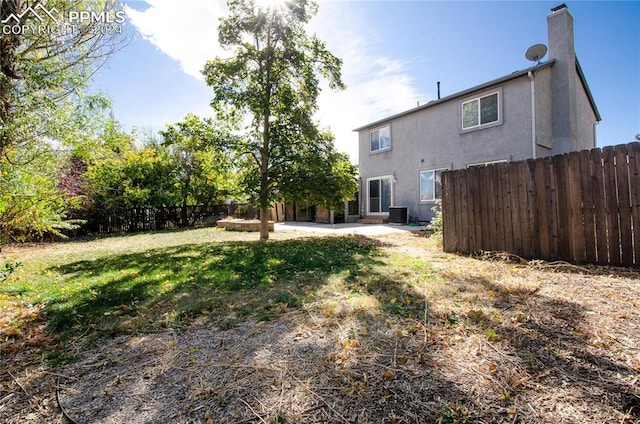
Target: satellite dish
{"points": [[536, 52]]}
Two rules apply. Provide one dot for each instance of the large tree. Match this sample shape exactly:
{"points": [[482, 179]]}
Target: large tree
{"points": [[188, 166], [46, 63], [272, 80], [135, 178], [319, 174], [202, 163]]}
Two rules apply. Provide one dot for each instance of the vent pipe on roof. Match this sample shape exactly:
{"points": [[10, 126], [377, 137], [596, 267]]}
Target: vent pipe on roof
{"points": [[438, 83]]}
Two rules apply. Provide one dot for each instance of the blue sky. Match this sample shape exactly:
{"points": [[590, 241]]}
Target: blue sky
{"points": [[393, 53]]}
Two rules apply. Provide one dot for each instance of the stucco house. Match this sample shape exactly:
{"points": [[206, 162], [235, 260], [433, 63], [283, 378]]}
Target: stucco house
{"points": [[543, 110]]}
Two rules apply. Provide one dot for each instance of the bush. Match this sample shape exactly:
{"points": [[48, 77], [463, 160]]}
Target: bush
{"points": [[9, 268], [436, 222]]}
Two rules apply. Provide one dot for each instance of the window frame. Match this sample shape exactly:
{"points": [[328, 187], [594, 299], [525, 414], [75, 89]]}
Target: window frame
{"points": [[478, 100], [483, 164], [435, 198], [368, 199], [377, 129]]}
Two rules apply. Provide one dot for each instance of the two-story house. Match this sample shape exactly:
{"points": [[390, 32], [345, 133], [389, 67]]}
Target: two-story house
{"points": [[544, 110]]}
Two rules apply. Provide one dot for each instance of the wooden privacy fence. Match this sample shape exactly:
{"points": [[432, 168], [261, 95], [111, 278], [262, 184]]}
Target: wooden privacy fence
{"points": [[580, 207], [162, 218]]}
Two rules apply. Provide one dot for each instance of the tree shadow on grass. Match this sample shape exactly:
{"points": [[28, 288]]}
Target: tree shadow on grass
{"points": [[552, 361], [377, 365], [386, 376], [368, 364], [226, 281], [555, 343]]}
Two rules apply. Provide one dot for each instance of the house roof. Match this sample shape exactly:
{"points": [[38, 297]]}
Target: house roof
{"points": [[514, 75]]}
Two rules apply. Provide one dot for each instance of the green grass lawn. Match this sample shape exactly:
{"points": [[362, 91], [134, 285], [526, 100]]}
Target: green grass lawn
{"points": [[144, 282]]}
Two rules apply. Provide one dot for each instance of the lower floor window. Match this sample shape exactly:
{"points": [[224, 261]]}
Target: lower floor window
{"points": [[379, 195], [430, 185]]}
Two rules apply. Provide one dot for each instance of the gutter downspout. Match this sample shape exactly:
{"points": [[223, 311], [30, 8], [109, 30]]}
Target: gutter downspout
{"points": [[361, 206], [533, 114]]}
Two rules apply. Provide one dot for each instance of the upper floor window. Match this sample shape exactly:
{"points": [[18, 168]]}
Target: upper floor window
{"points": [[480, 111], [381, 139]]}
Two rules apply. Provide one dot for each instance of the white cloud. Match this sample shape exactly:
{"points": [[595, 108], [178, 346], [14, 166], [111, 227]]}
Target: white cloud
{"points": [[377, 86], [186, 31]]}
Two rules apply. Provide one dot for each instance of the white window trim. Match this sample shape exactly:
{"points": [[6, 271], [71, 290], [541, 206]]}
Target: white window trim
{"points": [[477, 98], [368, 198], [432, 201], [390, 139], [491, 162]]}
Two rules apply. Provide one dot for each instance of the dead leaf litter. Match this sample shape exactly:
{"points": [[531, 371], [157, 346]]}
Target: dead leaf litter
{"points": [[500, 342]]}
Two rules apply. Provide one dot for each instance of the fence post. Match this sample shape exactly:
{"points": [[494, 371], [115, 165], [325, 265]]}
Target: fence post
{"points": [[450, 214], [634, 192]]}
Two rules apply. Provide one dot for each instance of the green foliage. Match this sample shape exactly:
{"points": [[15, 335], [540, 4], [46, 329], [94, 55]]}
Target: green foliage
{"points": [[436, 222], [456, 413], [134, 178], [44, 75], [273, 80], [146, 283], [9, 268], [44, 106], [319, 174], [188, 167], [203, 164], [31, 203]]}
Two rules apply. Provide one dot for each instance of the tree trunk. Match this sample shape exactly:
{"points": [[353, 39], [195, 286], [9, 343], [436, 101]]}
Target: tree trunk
{"points": [[184, 222], [7, 73], [264, 223]]}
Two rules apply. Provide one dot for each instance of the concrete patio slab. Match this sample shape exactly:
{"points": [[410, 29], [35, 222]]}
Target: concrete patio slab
{"points": [[348, 228]]}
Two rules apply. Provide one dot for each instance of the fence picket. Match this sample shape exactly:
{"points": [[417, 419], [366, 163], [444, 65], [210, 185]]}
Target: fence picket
{"points": [[634, 183], [463, 239], [564, 243], [509, 244], [532, 218], [485, 208], [611, 201], [624, 204], [523, 201], [542, 213], [552, 207], [499, 211], [587, 207], [575, 202]]}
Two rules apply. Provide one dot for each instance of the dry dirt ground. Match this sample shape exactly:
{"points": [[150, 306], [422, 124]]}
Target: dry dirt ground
{"points": [[495, 341]]}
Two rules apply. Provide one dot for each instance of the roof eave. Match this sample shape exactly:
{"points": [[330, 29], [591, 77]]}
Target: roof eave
{"points": [[587, 90], [514, 75]]}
